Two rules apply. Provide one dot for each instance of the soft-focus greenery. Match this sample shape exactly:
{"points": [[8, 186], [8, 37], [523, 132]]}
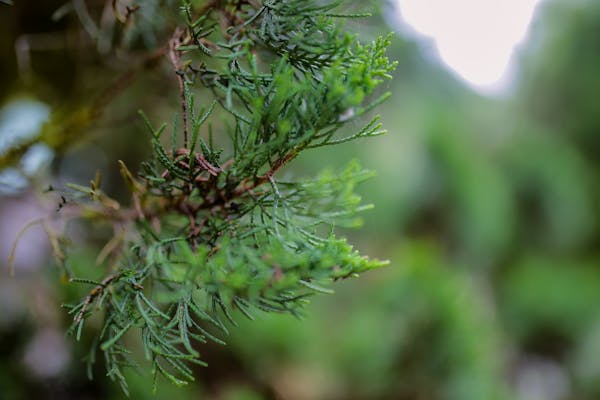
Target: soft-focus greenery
{"points": [[488, 209]]}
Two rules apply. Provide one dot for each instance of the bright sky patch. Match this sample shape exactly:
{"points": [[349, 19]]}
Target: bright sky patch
{"points": [[475, 38]]}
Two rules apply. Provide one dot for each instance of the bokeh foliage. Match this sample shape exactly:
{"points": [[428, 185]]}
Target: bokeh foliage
{"points": [[488, 209]]}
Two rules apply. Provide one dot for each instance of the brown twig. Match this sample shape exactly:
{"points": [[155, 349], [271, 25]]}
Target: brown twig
{"points": [[95, 292], [259, 180], [199, 159], [175, 58], [129, 10]]}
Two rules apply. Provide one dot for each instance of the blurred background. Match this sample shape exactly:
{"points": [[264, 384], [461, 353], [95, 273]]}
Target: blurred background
{"points": [[487, 204]]}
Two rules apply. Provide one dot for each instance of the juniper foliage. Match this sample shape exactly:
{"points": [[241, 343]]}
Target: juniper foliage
{"points": [[212, 231]]}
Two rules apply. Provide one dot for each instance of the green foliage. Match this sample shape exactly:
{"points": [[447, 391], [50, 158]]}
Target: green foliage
{"points": [[425, 331], [488, 207], [211, 230]]}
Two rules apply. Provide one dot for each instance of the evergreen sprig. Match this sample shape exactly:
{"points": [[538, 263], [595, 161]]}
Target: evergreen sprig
{"points": [[211, 230]]}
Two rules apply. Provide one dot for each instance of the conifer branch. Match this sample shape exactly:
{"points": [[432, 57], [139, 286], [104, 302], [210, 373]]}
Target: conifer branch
{"points": [[212, 231], [174, 43]]}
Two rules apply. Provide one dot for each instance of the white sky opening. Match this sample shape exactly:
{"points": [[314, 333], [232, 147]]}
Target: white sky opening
{"points": [[474, 38]]}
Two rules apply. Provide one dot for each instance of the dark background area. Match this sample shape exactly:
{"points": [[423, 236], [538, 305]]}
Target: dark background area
{"points": [[487, 208]]}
